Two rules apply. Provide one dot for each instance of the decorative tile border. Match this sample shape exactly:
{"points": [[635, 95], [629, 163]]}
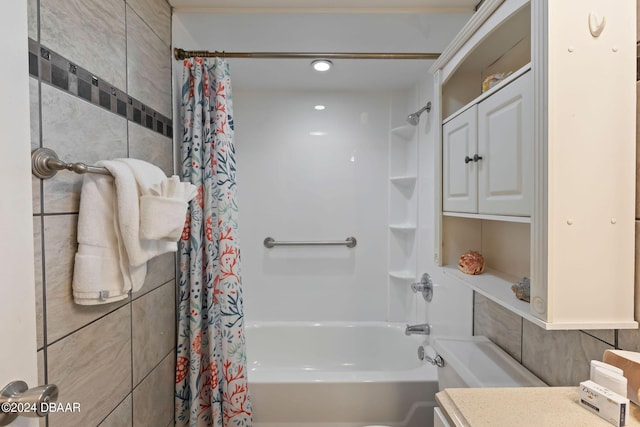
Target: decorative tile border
{"points": [[56, 70]]}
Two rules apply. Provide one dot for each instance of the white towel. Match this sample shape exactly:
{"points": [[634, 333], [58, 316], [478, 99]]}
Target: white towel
{"points": [[97, 277], [125, 220], [137, 180], [162, 212]]}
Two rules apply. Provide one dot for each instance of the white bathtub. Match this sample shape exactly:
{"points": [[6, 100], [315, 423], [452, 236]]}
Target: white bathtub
{"points": [[329, 374]]}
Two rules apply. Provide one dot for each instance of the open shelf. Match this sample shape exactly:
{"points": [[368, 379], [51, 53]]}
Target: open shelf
{"points": [[513, 76], [404, 180], [506, 218], [405, 131], [404, 275], [496, 286], [402, 227]]}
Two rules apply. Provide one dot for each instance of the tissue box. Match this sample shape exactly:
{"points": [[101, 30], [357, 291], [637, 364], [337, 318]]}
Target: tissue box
{"points": [[606, 404]]}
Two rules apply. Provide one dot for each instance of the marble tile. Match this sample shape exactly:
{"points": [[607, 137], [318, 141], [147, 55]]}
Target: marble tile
{"points": [[153, 398], [637, 270], [121, 416], [637, 150], [150, 146], [153, 323], [629, 339], [160, 270], [606, 335], [637, 20], [36, 192], [34, 118], [499, 325], [559, 358], [92, 367], [34, 112], [32, 19], [63, 315], [78, 132], [157, 15], [90, 33], [41, 368], [37, 267], [148, 66], [42, 422]]}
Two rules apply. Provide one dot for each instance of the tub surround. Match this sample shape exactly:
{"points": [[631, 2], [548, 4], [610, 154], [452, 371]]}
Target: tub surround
{"points": [[522, 406]]}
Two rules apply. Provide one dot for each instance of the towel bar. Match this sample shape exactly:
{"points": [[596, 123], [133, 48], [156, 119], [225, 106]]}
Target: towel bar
{"points": [[349, 242], [45, 164]]}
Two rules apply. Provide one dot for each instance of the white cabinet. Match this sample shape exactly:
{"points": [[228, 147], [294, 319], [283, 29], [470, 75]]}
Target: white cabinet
{"points": [[460, 172], [487, 154], [505, 175], [553, 197]]}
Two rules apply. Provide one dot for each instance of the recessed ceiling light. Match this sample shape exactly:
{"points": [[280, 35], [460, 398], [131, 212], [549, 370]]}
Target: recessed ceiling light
{"points": [[319, 107], [321, 64]]}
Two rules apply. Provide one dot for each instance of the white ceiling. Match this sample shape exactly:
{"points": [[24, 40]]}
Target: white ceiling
{"points": [[319, 32]]}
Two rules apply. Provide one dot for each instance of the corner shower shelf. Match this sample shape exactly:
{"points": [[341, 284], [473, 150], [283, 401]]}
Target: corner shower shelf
{"points": [[405, 132], [402, 227], [404, 181], [404, 275]]}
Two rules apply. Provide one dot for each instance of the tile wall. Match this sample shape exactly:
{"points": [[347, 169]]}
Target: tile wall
{"points": [[100, 88]]}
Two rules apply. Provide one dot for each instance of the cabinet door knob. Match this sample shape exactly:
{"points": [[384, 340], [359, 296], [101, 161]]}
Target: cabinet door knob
{"points": [[476, 157], [468, 159]]}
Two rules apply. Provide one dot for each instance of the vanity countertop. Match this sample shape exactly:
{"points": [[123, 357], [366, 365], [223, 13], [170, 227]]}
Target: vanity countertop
{"points": [[521, 406]]}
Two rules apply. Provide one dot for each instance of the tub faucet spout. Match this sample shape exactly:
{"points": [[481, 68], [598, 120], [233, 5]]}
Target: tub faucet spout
{"points": [[423, 329]]}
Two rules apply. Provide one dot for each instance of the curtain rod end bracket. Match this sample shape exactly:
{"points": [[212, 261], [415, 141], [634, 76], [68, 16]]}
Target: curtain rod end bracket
{"points": [[178, 53]]}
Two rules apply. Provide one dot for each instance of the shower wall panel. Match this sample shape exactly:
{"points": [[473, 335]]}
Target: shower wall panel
{"points": [[307, 174]]}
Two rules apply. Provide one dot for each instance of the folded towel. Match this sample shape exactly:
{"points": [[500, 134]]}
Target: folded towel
{"points": [[134, 180], [162, 212], [125, 220], [97, 278]]}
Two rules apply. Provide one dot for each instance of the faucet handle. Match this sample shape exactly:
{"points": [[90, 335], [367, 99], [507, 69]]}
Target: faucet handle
{"points": [[424, 286]]}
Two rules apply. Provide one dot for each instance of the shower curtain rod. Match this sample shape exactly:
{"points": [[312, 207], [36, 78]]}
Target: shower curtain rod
{"points": [[180, 54]]}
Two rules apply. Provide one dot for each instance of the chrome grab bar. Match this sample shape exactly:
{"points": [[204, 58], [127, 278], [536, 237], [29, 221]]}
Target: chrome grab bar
{"points": [[349, 242]]}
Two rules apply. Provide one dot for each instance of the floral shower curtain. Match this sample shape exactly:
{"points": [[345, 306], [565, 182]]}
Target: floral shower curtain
{"points": [[211, 368]]}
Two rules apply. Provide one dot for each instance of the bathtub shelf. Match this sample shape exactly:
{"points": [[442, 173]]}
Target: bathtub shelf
{"points": [[403, 275], [405, 132], [402, 227], [404, 181]]}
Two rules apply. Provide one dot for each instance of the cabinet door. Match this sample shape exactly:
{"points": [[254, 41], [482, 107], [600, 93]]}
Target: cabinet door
{"points": [[505, 179], [459, 175]]}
